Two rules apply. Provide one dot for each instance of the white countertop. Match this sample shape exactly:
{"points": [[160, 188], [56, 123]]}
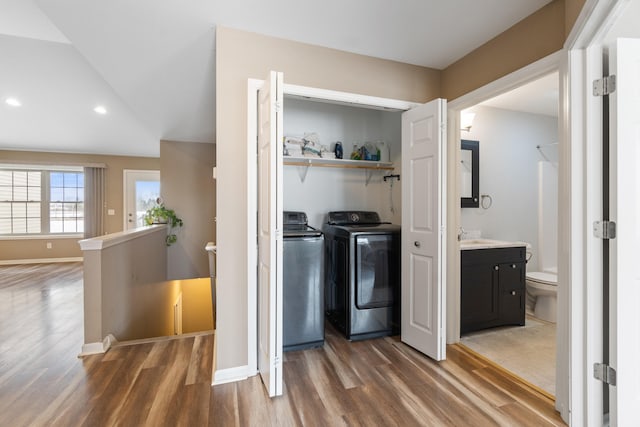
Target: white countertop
{"points": [[470, 244]]}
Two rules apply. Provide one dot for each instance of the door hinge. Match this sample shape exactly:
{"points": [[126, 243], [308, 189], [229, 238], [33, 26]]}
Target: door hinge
{"points": [[604, 86], [604, 229], [278, 106], [277, 362], [604, 373]]}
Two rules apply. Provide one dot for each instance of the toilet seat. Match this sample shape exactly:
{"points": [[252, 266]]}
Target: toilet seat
{"points": [[543, 278]]}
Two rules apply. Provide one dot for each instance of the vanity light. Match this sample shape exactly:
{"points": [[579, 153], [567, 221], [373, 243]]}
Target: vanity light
{"points": [[466, 120], [14, 102], [100, 110]]}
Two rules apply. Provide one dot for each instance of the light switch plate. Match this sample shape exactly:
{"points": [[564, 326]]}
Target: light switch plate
{"points": [[111, 211]]}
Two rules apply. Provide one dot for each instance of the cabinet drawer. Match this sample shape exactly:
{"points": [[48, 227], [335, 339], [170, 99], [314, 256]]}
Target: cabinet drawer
{"points": [[493, 256]]}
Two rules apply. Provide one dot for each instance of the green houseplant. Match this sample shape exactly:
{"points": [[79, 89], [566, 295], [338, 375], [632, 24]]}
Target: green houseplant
{"points": [[159, 214]]}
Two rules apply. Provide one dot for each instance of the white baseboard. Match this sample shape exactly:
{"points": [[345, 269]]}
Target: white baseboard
{"points": [[98, 347], [39, 260], [223, 376]]}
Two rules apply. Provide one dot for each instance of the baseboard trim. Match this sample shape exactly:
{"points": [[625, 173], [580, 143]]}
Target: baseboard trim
{"points": [[40, 260], [230, 375], [98, 347]]}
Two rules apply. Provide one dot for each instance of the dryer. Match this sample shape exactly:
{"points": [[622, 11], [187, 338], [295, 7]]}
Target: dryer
{"points": [[362, 274]]}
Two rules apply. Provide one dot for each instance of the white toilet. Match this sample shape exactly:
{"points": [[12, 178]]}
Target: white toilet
{"points": [[542, 287]]}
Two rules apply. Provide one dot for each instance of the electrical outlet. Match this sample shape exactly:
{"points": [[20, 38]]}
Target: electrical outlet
{"points": [[49, 245]]}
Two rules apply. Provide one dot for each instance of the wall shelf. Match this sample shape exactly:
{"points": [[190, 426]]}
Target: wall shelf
{"points": [[368, 165]]}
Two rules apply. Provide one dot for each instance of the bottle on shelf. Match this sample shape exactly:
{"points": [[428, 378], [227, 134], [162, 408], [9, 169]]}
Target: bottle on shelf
{"points": [[356, 154], [338, 150]]}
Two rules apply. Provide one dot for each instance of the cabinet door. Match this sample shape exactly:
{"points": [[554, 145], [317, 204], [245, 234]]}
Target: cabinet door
{"points": [[479, 297], [512, 293]]}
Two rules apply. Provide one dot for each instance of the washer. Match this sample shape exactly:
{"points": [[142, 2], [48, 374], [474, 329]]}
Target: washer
{"points": [[302, 283], [362, 274]]}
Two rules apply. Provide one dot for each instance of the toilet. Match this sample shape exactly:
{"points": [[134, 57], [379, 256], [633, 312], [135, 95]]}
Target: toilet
{"points": [[542, 288]]}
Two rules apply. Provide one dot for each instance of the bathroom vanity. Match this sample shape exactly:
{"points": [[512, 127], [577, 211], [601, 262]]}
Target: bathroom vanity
{"points": [[493, 287]]}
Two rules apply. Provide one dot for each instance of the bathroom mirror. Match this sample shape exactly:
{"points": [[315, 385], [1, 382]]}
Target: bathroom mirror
{"points": [[470, 174]]}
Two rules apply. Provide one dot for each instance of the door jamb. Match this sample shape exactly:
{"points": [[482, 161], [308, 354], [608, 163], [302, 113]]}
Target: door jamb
{"points": [[253, 86]]}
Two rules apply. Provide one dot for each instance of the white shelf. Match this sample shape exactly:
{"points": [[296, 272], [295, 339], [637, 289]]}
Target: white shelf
{"points": [[368, 165]]}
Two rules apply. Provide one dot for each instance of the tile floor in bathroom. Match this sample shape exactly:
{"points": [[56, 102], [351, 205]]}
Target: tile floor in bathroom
{"points": [[528, 351]]}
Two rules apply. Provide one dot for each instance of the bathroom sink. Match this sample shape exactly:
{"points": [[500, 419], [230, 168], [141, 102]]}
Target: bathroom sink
{"points": [[488, 243]]}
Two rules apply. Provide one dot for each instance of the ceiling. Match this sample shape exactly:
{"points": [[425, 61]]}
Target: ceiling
{"points": [[151, 64], [537, 97]]}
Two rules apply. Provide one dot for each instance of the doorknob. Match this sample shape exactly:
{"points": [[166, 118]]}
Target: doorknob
{"points": [[416, 244]]}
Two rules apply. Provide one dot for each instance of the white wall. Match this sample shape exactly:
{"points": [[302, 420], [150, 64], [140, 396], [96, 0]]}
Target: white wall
{"points": [[330, 189], [509, 173]]}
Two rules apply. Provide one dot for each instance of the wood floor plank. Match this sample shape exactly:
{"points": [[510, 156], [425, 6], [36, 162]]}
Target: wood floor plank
{"points": [[379, 382]]}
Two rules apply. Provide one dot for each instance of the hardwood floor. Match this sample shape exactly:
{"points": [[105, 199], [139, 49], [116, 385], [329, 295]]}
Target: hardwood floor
{"points": [[167, 383]]}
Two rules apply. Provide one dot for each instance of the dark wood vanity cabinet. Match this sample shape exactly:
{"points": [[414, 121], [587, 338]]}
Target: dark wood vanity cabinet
{"points": [[493, 288]]}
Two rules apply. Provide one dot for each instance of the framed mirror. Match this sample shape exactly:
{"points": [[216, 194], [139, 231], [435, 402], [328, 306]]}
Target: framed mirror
{"points": [[470, 173]]}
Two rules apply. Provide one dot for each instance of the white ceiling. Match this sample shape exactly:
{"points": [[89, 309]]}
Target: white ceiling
{"points": [[152, 64], [538, 97]]}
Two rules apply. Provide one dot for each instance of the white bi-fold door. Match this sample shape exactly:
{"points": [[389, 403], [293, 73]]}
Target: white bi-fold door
{"points": [[423, 232], [270, 233]]}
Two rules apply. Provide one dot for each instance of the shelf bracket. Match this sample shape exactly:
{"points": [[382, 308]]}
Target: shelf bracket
{"points": [[303, 171], [368, 174]]}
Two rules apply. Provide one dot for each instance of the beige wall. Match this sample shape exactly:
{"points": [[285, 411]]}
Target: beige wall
{"points": [[125, 292], [188, 187], [63, 248], [571, 11], [531, 39], [240, 56]]}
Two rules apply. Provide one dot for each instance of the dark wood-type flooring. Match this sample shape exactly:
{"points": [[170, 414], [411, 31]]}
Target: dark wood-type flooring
{"points": [[167, 382]]}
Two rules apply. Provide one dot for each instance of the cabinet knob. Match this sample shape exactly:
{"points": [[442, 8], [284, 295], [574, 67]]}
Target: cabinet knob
{"points": [[513, 292], [496, 267], [513, 266], [416, 244]]}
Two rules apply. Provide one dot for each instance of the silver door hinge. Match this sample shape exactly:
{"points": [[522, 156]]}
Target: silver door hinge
{"points": [[604, 373], [278, 106], [604, 229], [604, 86]]}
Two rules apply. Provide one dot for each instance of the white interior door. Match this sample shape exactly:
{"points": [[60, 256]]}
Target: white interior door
{"points": [[624, 291], [141, 190], [423, 233], [270, 233]]}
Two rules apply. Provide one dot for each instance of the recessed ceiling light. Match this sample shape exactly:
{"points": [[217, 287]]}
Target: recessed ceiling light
{"points": [[14, 102], [100, 109]]}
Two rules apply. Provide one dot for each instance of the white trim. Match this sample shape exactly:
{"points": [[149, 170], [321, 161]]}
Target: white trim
{"points": [[50, 167], [252, 230], [338, 97], [544, 66], [98, 347], [583, 128], [108, 240], [40, 260], [42, 236], [229, 375], [529, 73], [509, 82]]}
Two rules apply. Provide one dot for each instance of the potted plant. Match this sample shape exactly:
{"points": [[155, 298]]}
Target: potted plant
{"points": [[159, 214]]}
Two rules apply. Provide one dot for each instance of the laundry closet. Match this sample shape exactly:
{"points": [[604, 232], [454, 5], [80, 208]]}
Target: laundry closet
{"points": [[382, 263], [320, 187], [351, 276]]}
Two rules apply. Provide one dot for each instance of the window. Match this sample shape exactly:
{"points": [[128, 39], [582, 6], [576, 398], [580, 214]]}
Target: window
{"points": [[66, 208], [41, 201]]}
